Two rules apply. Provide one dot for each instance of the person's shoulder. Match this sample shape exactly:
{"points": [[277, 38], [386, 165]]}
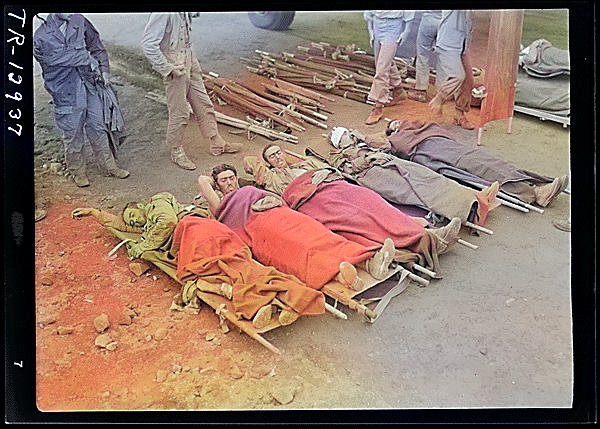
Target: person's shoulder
{"points": [[163, 196]]}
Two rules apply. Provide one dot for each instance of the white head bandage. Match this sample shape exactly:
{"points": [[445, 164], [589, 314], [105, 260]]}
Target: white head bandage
{"points": [[336, 135], [270, 151]]}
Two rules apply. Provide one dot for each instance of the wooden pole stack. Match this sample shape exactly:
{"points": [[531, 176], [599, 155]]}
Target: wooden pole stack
{"points": [[250, 126]]}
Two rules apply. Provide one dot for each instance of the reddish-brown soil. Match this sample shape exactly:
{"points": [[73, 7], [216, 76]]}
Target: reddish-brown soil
{"points": [[494, 332]]}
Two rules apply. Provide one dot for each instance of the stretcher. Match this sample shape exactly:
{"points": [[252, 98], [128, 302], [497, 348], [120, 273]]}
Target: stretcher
{"points": [[369, 301]]}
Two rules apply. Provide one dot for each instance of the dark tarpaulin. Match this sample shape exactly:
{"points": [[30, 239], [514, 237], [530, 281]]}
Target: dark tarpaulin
{"points": [[113, 116], [476, 165], [465, 163], [544, 78]]}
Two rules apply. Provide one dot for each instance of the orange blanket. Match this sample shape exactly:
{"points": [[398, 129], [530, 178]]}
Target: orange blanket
{"points": [[208, 249], [290, 241]]}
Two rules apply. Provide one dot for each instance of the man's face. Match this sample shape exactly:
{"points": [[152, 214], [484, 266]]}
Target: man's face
{"points": [[135, 216], [277, 159], [227, 182], [64, 16]]}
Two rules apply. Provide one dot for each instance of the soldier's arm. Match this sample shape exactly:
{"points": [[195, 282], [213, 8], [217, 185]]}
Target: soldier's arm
{"points": [[153, 35], [105, 219], [257, 168], [95, 46]]}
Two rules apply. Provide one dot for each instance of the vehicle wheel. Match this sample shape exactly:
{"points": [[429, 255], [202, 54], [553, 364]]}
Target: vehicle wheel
{"points": [[272, 20]]}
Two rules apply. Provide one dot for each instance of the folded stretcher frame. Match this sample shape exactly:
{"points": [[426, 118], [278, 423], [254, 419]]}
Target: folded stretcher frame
{"points": [[544, 115], [370, 305]]}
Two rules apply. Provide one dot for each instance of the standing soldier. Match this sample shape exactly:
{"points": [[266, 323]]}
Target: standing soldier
{"points": [[167, 45], [454, 74], [74, 61], [426, 35], [387, 29]]}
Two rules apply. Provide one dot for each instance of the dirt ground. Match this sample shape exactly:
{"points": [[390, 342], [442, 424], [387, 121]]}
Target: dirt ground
{"points": [[495, 332]]}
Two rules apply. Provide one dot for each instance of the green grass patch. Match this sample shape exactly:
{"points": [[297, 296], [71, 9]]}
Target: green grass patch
{"points": [[335, 28], [344, 28], [549, 24], [134, 67]]}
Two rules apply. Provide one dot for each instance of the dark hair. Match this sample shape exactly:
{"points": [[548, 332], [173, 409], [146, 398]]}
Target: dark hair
{"points": [[131, 204], [218, 169]]}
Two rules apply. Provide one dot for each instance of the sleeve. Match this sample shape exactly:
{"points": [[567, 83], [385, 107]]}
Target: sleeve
{"points": [[162, 219], [257, 168], [94, 45], [110, 220], [38, 48], [153, 35]]}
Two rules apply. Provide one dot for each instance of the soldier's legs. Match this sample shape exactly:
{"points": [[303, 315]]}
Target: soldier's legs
{"points": [[387, 75], [95, 129], [201, 103], [177, 106], [205, 114], [425, 43], [179, 112], [70, 120]]}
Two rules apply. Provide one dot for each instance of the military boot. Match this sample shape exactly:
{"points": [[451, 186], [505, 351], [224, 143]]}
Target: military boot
{"points": [[76, 167], [113, 169], [80, 179], [218, 146]]}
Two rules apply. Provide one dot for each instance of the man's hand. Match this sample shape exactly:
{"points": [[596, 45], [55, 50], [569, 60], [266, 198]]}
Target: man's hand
{"points": [[106, 78], [206, 181], [319, 176], [78, 213], [133, 250], [178, 70], [403, 36]]}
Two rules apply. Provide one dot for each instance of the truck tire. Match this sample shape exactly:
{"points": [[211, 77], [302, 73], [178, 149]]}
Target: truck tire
{"points": [[277, 21]]}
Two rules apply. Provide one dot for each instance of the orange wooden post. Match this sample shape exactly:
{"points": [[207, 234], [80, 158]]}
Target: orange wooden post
{"points": [[501, 68]]}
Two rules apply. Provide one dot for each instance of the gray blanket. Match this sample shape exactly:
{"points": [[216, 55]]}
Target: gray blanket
{"points": [[543, 82], [475, 164]]}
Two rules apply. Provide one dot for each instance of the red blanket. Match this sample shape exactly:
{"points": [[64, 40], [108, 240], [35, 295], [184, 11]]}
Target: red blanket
{"points": [[208, 249], [355, 212], [290, 241]]}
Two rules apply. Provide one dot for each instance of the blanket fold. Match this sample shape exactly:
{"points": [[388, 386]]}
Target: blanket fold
{"points": [[209, 250]]}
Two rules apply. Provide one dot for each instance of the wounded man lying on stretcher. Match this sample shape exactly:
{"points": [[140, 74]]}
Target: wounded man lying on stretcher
{"points": [[205, 254]]}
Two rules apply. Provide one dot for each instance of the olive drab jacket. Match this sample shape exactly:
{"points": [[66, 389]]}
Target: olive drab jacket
{"points": [[163, 212]]}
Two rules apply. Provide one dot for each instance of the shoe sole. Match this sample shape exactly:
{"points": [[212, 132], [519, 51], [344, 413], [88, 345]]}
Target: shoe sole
{"points": [[378, 269], [262, 317], [560, 185], [287, 317], [185, 167], [451, 234], [347, 272]]}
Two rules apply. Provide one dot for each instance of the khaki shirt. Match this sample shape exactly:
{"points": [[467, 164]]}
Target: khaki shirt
{"points": [[163, 212], [167, 41], [277, 179]]}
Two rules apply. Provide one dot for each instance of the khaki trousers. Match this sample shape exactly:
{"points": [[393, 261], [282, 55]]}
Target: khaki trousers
{"points": [[183, 92]]}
